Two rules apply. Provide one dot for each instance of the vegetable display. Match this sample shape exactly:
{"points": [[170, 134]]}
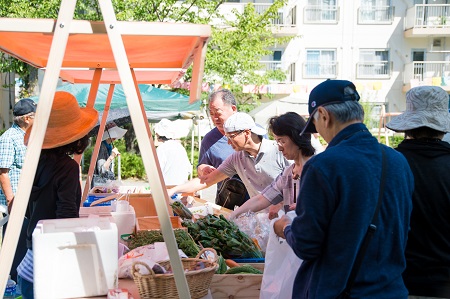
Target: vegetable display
{"points": [[181, 210], [222, 235], [184, 240], [244, 269]]}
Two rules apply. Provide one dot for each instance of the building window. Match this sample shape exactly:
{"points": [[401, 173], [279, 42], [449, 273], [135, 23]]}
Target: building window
{"points": [[320, 64], [321, 11], [374, 64], [376, 12]]}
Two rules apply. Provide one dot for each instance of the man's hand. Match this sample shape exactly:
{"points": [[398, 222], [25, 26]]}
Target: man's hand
{"points": [[205, 170], [280, 225], [170, 192]]}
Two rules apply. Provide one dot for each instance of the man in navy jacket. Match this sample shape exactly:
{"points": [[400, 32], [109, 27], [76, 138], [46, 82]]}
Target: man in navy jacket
{"points": [[338, 197]]}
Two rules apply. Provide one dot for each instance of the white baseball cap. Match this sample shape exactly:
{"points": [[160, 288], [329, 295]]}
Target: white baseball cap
{"points": [[242, 121], [165, 129]]}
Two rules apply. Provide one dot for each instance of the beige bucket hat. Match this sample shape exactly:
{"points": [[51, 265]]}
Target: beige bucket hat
{"points": [[426, 106]]}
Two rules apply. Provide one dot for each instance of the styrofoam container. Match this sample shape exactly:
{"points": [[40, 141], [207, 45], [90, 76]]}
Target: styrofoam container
{"points": [[125, 221], [75, 257]]}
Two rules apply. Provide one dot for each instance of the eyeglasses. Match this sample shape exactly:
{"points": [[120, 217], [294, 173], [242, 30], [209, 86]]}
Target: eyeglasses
{"points": [[234, 135], [280, 142]]}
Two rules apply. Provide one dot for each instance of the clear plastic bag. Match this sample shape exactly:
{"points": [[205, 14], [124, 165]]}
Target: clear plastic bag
{"points": [[256, 226]]}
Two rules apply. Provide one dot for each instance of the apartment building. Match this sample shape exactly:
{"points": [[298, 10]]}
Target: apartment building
{"points": [[384, 46]]}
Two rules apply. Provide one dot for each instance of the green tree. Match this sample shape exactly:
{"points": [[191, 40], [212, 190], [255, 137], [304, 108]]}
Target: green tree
{"points": [[237, 45]]}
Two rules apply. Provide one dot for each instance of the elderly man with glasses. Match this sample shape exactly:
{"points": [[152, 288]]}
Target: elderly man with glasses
{"points": [[256, 160]]}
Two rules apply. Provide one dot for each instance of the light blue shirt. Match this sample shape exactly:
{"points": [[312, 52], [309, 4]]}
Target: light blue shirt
{"points": [[12, 156]]}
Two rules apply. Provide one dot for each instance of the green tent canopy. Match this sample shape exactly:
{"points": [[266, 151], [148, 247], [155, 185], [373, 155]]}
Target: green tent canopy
{"points": [[158, 103]]}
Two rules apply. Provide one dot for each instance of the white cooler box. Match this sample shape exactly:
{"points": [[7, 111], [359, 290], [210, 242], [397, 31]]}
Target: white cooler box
{"points": [[75, 257]]}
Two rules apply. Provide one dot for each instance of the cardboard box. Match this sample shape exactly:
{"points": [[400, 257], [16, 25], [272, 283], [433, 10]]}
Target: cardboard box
{"points": [[237, 286], [152, 223], [75, 257], [143, 204]]}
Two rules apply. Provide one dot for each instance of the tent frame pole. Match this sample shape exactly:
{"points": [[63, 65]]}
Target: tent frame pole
{"points": [[98, 142], [148, 152], [151, 164], [55, 60]]}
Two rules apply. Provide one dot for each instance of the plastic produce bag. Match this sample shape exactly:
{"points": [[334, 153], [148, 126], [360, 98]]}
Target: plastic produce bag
{"points": [[148, 254], [281, 266], [256, 226]]}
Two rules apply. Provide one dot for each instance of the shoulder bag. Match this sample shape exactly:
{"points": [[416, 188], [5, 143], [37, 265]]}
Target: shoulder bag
{"points": [[369, 234]]}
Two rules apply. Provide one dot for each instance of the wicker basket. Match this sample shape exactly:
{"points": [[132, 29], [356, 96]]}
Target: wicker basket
{"points": [[163, 285]]}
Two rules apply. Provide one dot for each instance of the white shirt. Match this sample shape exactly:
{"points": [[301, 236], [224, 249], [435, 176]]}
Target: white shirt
{"points": [[174, 162]]}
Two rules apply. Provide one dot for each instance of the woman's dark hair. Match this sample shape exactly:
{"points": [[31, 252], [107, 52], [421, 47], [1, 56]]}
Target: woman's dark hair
{"points": [[291, 125], [424, 133], [76, 147], [163, 138]]}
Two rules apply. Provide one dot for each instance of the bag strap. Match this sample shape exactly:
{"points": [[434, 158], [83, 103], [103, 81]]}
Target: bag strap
{"points": [[370, 231]]}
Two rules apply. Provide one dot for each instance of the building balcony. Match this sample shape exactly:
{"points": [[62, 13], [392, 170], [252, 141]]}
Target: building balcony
{"points": [[321, 14], [423, 20], [435, 73], [320, 70], [376, 15], [374, 70], [284, 25]]}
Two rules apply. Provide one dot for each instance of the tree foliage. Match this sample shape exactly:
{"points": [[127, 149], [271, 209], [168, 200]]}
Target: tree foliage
{"points": [[237, 45]]}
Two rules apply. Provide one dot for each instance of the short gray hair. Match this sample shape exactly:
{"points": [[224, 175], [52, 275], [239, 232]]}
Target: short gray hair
{"points": [[346, 111], [225, 95], [20, 120]]}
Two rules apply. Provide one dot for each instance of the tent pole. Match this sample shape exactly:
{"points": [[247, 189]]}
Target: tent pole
{"points": [[91, 99], [192, 149], [146, 145], [98, 142], [56, 55]]}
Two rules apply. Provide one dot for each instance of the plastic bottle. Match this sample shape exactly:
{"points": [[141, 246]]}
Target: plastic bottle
{"points": [[10, 291]]}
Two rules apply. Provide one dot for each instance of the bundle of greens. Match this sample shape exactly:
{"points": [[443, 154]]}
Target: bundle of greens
{"points": [[184, 240], [224, 236], [181, 210]]}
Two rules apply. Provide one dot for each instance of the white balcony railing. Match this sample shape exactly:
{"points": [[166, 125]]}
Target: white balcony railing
{"points": [[270, 65], [321, 14], [283, 20], [427, 72], [428, 16], [376, 15], [374, 69], [318, 69]]}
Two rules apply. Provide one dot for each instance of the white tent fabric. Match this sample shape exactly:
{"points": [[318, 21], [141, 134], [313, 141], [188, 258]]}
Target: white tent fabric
{"points": [[294, 102]]}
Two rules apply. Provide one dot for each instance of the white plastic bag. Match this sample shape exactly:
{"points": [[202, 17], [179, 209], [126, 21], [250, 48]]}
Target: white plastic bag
{"points": [[281, 266], [148, 254]]}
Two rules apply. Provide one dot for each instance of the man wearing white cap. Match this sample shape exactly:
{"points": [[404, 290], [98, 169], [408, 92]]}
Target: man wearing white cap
{"points": [[172, 156], [107, 153], [424, 122], [256, 160]]}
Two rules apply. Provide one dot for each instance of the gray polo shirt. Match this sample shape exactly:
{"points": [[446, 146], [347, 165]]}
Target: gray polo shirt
{"points": [[256, 172]]}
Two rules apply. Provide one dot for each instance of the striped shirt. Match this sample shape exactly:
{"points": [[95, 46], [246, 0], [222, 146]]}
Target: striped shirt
{"points": [[12, 155], [25, 268]]}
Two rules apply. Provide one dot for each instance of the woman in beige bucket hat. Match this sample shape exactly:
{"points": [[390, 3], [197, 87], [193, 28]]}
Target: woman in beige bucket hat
{"points": [[424, 122], [56, 191]]}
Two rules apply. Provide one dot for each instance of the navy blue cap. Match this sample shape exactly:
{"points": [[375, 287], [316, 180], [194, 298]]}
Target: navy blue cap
{"points": [[326, 93], [24, 106]]}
